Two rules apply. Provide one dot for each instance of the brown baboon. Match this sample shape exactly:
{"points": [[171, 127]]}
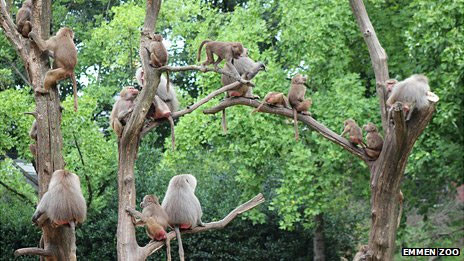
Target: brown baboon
{"points": [[182, 206], [122, 107], [159, 55], [374, 142], [296, 98], [63, 203], [224, 51], [157, 219], [412, 92], [354, 131], [275, 99], [23, 18], [64, 52]]}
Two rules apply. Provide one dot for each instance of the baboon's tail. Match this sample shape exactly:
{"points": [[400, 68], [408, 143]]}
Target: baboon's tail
{"points": [[295, 123], [179, 240], [199, 49]]}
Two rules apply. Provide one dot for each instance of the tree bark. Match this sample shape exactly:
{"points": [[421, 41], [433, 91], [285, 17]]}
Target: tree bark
{"points": [[318, 238], [58, 243]]}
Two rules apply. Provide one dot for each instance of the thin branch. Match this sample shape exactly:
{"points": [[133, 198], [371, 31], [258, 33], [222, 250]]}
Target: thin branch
{"points": [[308, 120], [31, 178], [204, 69], [193, 107], [22, 76], [87, 177], [19, 194], [32, 251], [152, 247]]}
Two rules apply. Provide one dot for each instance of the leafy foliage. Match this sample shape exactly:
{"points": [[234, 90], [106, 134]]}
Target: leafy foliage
{"points": [[258, 154]]}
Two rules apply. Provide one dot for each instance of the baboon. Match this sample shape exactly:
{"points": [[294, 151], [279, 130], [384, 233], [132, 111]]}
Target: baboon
{"points": [[64, 53], [182, 206], [63, 203], [389, 84], [169, 97], [297, 100], [248, 69], [160, 110], [159, 55], [374, 142], [354, 131], [412, 92], [156, 227], [23, 18], [224, 51], [121, 108], [275, 99]]}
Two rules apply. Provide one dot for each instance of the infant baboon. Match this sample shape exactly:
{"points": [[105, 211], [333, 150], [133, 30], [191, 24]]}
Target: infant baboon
{"points": [[182, 206], [297, 100], [63, 203], [374, 141], [64, 52], [412, 92], [157, 219], [354, 131], [23, 18], [275, 99], [122, 107]]}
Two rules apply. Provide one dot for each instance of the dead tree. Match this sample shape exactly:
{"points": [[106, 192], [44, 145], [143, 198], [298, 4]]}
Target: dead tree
{"points": [[387, 170], [134, 130], [56, 243]]}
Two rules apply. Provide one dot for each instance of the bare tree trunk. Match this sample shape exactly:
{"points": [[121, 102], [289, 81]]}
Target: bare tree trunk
{"points": [[318, 238], [387, 171]]}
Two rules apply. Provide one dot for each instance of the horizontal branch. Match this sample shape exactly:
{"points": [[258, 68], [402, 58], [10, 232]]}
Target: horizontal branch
{"points": [[190, 108], [204, 69], [32, 251], [308, 120], [154, 246]]}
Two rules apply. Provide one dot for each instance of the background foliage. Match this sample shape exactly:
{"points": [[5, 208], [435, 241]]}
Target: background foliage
{"points": [[258, 154]]}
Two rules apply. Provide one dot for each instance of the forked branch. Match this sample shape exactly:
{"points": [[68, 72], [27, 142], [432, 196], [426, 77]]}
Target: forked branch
{"points": [[152, 247], [191, 108], [308, 120]]}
